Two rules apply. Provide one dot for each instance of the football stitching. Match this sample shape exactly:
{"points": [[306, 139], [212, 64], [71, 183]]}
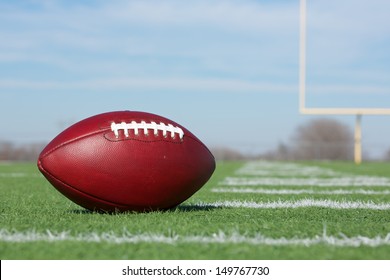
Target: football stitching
{"points": [[169, 128]]}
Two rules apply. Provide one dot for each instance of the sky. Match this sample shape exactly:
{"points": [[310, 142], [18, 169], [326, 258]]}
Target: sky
{"points": [[226, 70]]}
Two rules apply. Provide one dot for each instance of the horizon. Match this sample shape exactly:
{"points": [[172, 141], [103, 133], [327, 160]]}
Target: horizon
{"points": [[226, 70]]}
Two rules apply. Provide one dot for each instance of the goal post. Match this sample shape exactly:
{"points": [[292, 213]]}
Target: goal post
{"points": [[303, 109]]}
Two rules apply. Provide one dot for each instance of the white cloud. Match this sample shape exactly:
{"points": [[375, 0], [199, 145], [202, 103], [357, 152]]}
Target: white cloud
{"points": [[191, 28], [186, 84], [348, 33], [350, 17], [178, 40], [231, 16]]}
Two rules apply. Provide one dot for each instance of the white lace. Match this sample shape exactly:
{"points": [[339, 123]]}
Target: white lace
{"points": [[115, 127]]}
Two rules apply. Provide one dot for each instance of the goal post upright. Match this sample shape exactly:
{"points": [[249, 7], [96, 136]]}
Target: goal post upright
{"points": [[358, 139], [358, 112], [302, 55]]}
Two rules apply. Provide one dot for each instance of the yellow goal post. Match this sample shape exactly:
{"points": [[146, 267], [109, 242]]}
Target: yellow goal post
{"points": [[303, 109]]}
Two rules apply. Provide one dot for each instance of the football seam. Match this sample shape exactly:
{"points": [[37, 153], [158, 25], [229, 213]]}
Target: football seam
{"points": [[107, 130], [71, 141], [203, 145], [76, 189]]}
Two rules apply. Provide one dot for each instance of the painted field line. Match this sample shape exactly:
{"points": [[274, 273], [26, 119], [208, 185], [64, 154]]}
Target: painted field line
{"points": [[265, 168], [219, 238], [300, 191], [303, 203], [355, 181]]}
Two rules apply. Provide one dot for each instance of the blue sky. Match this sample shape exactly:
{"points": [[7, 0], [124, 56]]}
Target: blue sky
{"points": [[227, 70]]}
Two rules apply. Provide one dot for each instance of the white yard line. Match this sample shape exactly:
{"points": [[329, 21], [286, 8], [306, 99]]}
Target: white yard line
{"points": [[323, 203], [267, 168], [219, 238], [355, 181], [299, 191]]}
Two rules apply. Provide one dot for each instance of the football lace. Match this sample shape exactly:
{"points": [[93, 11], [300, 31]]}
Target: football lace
{"points": [[156, 127]]}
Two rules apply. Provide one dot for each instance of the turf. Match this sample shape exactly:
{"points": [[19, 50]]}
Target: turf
{"points": [[29, 204]]}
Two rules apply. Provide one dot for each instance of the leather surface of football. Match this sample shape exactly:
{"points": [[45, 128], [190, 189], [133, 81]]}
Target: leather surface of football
{"points": [[126, 161]]}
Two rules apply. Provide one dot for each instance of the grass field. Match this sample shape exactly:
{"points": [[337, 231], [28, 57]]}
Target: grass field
{"points": [[248, 210]]}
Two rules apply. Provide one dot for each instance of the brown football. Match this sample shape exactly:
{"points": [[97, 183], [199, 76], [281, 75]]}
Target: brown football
{"points": [[126, 161]]}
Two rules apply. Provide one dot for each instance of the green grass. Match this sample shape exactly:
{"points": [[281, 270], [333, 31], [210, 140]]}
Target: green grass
{"points": [[28, 203]]}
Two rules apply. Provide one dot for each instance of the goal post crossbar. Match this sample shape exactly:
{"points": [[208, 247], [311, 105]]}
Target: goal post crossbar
{"points": [[344, 111]]}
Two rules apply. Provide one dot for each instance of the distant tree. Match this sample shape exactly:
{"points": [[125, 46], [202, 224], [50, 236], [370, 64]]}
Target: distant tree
{"points": [[282, 152], [6, 150], [323, 139], [25, 152], [224, 153], [387, 155]]}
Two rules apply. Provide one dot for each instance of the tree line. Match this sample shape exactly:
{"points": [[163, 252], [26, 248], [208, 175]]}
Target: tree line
{"points": [[20, 152], [318, 139]]}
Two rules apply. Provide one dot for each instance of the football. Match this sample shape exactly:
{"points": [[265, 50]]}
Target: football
{"points": [[126, 161]]}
